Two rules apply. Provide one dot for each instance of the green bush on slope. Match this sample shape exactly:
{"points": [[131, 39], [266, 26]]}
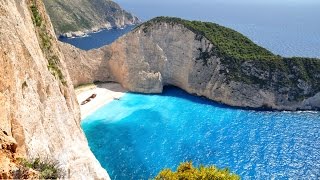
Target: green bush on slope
{"points": [[37, 20], [229, 43], [46, 43], [186, 171], [235, 50], [45, 169]]}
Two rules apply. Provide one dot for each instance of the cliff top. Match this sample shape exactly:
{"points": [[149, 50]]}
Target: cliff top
{"points": [[234, 49], [229, 43]]}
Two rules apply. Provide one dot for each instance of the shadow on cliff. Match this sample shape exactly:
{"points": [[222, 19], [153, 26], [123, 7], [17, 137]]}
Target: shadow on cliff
{"points": [[173, 91], [103, 72], [176, 92]]}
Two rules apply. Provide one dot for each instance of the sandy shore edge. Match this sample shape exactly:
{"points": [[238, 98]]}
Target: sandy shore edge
{"points": [[106, 92]]}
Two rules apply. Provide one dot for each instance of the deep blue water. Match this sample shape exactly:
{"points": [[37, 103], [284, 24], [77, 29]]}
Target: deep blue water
{"points": [[135, 137], [97, 40], [286, 27]]}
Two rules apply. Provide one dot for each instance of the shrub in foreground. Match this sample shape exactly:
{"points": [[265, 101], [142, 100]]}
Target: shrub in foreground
{"points": [[186, 171], [44, 169]]}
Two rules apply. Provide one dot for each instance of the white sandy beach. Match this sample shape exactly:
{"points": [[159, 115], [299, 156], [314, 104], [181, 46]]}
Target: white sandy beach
{"points": [[105, 92]]}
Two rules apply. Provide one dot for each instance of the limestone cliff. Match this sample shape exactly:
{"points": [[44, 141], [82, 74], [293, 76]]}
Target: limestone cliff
{"points": [[204, 59], [39, 113], [87, 66], [87, 15]]}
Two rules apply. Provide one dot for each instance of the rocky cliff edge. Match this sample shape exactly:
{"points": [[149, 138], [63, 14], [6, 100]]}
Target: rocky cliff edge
{"points": [[79, 17], [193, 57], [39, 113]]}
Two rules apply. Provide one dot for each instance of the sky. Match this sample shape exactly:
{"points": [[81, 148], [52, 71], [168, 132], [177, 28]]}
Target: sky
{"points": [[264, 1], [287, 27], [230, 1], [206, 9]]}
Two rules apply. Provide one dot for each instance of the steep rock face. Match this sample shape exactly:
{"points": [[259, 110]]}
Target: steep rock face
{"points": [[83, 15], [87, 66], [165, 53], [38, 106], [8, 147]]}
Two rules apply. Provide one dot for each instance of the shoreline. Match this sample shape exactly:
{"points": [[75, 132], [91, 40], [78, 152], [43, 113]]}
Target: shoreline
{"points": [[86, 33], [105, 93]]}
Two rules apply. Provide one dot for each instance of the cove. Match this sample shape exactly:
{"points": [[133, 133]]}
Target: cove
{"points": [[98, 39], [137, 136]]}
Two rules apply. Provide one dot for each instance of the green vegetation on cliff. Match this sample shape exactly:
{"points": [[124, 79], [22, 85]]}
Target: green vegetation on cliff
{"points": [[80, 15], [229, 43], [247, 62], [43, 169], [46, 39], [188, 171]]}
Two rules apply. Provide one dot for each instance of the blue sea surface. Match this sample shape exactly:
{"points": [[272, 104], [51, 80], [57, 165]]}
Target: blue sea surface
{"points": [[98, 39], [137, 136], [286, 27]]}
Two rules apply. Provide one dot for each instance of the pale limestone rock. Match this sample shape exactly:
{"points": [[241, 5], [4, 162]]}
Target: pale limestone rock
{"points": [[107, 25], [36, 108], [162, 54], [67, 35], [86, 67], [78, 34]]}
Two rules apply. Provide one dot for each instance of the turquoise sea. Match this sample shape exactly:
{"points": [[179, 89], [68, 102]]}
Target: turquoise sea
{"points": [[137, 136]]}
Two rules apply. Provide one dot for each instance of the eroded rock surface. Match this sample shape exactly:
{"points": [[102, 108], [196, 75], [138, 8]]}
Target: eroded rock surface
{"points": [[38, 106], [160, 54], [8, 148]]}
